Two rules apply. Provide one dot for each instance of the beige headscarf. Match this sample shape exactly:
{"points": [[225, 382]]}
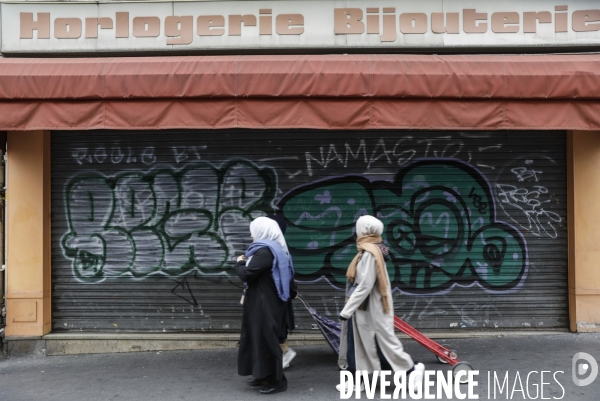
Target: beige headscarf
{"points": [[368, 231]]}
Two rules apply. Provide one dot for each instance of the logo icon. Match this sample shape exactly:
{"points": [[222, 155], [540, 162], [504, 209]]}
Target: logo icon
{"points": [[582, 368]]}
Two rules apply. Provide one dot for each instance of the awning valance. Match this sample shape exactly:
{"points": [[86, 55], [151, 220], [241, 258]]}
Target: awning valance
{"points": [[296, 91]]}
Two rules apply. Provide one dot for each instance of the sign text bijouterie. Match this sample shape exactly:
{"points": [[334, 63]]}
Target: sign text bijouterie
{"points": [[225, 25]]}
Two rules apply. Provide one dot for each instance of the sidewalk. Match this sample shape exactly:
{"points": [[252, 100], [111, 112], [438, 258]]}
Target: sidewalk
{"points": [[211, 374]]}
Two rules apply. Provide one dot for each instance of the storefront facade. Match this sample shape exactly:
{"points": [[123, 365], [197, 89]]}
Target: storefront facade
{"points": [[133, 180]]}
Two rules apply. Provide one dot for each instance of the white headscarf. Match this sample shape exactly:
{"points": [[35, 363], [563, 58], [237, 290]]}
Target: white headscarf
{"points": [[366, 225], [266, 228]]}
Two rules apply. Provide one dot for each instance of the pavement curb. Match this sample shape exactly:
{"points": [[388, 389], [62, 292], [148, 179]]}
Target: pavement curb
{"points": [[107, 343], [292, 337]]}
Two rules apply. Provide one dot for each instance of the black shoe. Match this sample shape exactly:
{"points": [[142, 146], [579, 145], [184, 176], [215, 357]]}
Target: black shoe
{"points": [[256, 382], [275, 388]]}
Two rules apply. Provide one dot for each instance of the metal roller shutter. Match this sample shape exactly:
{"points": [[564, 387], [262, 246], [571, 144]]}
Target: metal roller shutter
{"points": [[146, 225]]}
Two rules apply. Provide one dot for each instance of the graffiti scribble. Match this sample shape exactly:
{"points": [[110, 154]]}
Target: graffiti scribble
{"points": [[183, 290], [540, 221], [524, 174]]}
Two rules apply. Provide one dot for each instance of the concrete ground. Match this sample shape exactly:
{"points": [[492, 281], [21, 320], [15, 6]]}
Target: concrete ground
{"points": [[211, 374]]}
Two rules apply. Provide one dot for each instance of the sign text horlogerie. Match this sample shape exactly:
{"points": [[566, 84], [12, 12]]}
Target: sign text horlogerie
{"points": [[221, 25]]}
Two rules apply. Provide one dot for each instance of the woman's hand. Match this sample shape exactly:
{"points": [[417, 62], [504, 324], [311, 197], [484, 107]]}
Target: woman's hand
{"points": [[241, 258]]}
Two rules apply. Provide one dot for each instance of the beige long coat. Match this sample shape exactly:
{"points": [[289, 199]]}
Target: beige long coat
{"points": [[370, 323]]}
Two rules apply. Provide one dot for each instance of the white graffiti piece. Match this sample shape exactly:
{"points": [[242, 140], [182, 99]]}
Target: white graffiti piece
{"points": [[164, 221]]}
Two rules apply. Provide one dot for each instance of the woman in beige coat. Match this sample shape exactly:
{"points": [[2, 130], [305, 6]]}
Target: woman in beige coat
{"points": [[368, 341]]}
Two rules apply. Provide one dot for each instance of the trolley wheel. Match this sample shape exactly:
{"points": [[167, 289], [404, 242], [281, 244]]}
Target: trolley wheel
{"points": [[342, 366], [453, 354], [459, 368]]}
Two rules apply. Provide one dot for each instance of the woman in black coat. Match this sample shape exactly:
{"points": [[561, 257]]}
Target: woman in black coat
{"points": [[267, 270], [288, 322]]}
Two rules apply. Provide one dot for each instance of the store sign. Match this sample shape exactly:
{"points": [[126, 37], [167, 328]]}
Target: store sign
{"points": [[232, 25]]}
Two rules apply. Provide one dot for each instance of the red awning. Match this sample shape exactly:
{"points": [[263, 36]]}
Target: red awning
{"points": [[293, 91]]}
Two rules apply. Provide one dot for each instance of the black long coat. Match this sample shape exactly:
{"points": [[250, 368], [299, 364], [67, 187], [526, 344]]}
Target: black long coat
{"points": [[263, 316], [289, 323]]}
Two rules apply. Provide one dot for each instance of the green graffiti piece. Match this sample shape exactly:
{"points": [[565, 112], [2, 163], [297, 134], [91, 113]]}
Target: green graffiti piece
{"points": [[387, 199], [496, 253], [440, 224], [452, 183], [164, 221], [342, 257], [323, 216], [339, 203], [317, 241], [310, 266]]}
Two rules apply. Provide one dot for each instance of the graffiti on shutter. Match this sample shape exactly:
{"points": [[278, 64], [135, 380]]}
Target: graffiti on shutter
{"points": [[461, 212]]}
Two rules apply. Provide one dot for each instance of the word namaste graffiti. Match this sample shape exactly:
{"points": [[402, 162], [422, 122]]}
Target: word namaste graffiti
{"points": [[440, 221], [165, 221], [402, 151]]}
